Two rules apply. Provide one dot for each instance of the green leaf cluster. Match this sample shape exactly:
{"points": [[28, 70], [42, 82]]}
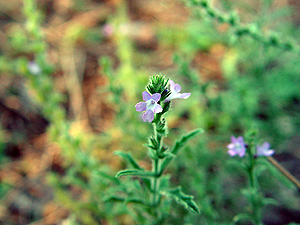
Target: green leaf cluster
{"points": [[158, 84]]}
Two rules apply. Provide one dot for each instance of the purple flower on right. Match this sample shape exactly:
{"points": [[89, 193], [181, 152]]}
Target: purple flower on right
{"points": [[264, 150], [175, 89], [237, 146]]}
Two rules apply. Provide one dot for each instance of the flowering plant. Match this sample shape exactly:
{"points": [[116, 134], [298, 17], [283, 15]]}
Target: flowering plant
{"points": [[157, 100], [251, 151]]}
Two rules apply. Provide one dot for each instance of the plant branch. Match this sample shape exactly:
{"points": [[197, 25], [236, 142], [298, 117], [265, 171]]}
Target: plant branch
{"points": [[284, 171], [252, 30]]}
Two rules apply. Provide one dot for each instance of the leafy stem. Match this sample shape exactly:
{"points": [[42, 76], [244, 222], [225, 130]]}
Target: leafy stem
{"points": [[252, 30], [253, 187], [156, 164], [156, 103]]}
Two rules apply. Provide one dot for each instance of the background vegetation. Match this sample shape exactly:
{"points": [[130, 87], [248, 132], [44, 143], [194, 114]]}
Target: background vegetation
{"points": [[72, 72]]}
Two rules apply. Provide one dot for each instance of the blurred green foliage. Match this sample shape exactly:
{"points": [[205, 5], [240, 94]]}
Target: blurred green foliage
{"points": [[254, 83]]}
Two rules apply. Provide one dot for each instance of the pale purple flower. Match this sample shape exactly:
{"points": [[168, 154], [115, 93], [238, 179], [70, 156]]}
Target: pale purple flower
{"points": [[175, 89], [150, 106], [237, 146], [34, 68], [108, 30], [264, 150]]}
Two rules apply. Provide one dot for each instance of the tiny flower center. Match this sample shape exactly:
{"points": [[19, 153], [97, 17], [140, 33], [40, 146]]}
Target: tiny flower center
{"points": [[151, 104], [238, 147]]}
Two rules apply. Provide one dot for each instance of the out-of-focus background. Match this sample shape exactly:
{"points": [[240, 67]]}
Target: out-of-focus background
{"points": [[73, 70]]}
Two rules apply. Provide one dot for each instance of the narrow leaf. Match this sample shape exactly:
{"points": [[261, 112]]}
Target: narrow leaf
{"points": [[179, 144], [151, 153], [270, 201], [154, 143], [168, 155], [242, 216], [180, 197], [99, 175], [139, 173], [259, 169], [136, 201], [184, 139], [128, 158], [114, 199]]}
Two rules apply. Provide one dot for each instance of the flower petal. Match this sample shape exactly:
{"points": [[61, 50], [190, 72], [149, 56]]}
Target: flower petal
{"points": [[172, 85], [233, 139], [269, 152], [266, 145], [146, 96], [264, 150], [232, 152], [156, 97], [183, 95], [141, 106], [242, 153], [177, 88], [240, 140], [157, 109], [148, 116], [230, 146]]}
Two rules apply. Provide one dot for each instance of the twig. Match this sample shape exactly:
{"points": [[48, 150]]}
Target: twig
{"points": [[284, 171]]}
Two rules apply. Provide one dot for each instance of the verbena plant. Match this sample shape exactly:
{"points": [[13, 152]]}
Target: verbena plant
{"points": [[255, 160], [154, 184]]}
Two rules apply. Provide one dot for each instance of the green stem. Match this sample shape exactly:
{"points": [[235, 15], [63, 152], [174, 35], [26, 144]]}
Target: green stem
{"points": [[256, 206], [155, 183], [156, 167]]}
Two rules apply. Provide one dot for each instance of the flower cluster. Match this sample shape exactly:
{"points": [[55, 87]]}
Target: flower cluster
{"points": [[150, 105], [153, 103], [238, 147]]}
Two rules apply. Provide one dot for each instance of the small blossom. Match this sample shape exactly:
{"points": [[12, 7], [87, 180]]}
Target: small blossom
{"points": [[237, 146], [175, 89], [34, 68], [264, 150], [108, 30], [150, 106]]}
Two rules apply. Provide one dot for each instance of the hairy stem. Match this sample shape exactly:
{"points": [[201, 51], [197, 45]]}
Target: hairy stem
{"points": [[156, 163], [256, 206]]}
